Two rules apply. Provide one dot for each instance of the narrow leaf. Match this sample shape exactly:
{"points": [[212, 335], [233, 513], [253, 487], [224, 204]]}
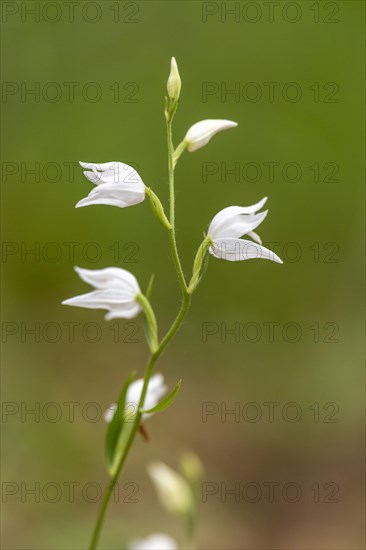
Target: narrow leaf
{"points": [[149, 287], [168, 400], [116, 426], [148, 296]]}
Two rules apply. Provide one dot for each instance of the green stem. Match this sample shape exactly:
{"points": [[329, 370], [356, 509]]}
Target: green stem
{"points": [[152, 326], [191, 527], [162, 345], [149, 370], [172, 235]]}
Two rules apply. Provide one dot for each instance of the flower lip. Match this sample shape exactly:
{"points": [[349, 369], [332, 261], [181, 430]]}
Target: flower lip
{"points": [[236, 250]]}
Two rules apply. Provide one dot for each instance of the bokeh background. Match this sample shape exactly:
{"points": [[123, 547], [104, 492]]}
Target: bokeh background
{"points": [[310, 371]]}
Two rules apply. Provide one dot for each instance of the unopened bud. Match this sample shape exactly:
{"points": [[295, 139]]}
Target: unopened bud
{"points": [[174, 82], [200, 133], [173, 491], [192, 467], [158, 208]]}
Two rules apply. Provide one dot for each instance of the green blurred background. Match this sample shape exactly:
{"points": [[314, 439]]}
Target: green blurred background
{"points": [[319, 287]]}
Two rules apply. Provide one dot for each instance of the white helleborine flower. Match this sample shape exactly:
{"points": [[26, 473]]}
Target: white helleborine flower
{"points": [[174, 83], [156, 390], [200, 133], [116, 184], [232, 223], [116, 291], [174, 492], [156, 541]]}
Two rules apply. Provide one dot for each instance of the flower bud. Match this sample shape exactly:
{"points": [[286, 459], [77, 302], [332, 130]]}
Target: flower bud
{"points": [[174, 82], [192, 467], [158, 208], [200, 133], [156, 541], [199, 264], [173, 490]]}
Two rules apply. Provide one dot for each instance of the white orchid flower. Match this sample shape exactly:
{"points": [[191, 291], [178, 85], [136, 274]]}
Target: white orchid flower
{"points": [[200, 133], [156, 541], [117, 184], [232, 223], [156, 390], [116, 291], [173, 490]]}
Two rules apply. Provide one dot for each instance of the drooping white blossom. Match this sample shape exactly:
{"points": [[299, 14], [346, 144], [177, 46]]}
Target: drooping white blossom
{"points": [[232, 223], [156, 541], [116, 290], [173, 490], [156, 390], [200, 133], [116, 184]]}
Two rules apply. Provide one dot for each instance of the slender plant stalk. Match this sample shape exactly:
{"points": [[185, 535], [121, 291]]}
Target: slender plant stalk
{"points": [[191, 530], [172, 236], [186, 298]]}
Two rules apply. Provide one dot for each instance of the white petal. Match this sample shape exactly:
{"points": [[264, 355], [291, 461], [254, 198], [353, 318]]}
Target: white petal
{"points": [[230, 222], [156, 382], [110, 277], [100, 166], [89, 201], [109, 413], [123, 312], [134, 391], [231, 211], [200, 133], [93, 177], [105, 167], [115, 194], [155, 392], [115, 301], [254, 207], [114, 171], [255, 237], [156, 541], [236, 250], [120, 190], [102, 299]]}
